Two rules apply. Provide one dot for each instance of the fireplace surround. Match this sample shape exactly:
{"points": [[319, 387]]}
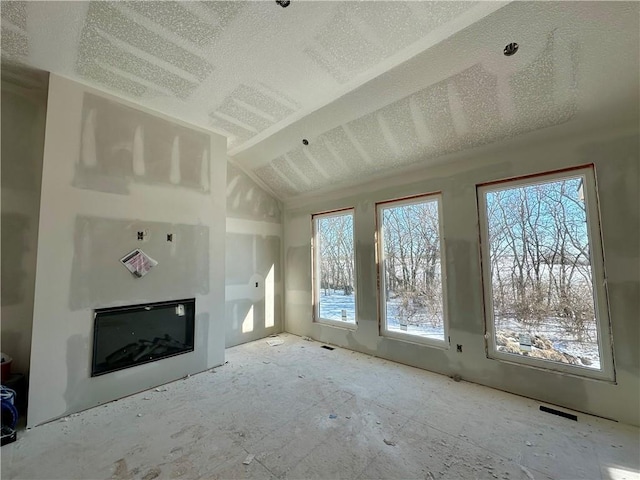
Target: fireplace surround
{"points": [[132, 335]]}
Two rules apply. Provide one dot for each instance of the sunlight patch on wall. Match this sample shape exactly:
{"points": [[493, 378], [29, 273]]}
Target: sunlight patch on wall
{"points": [[247, 323]]}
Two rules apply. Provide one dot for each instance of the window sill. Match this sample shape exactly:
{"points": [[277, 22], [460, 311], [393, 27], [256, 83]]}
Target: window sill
{"points": [[415, 339], [337, 323], [552, 367]]}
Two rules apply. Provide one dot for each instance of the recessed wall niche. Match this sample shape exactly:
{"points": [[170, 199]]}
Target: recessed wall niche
{"points": [[120, 145]]}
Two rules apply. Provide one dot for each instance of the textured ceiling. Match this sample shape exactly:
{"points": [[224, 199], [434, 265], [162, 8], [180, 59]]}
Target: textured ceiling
{"points": [[576, 62], [460, 112], [237, 67], [373, 85]]}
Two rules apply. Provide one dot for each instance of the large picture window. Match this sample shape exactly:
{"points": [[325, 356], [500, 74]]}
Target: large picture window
{"points": [[334, 282], [543, 272], [411, 270]]}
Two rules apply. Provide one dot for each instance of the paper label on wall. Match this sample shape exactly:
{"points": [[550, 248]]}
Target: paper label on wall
{"points": [[138, 262]]}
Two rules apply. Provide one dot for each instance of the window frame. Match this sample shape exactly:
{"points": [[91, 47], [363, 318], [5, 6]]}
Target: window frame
{"points": [[315, 270], [598, 274], [381, 285]]}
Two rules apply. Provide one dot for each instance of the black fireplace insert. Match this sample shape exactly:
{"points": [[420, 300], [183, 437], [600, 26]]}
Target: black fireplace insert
{"points": [[127, 336]]}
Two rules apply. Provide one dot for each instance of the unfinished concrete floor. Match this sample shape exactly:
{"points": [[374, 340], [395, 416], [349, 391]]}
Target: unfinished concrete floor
{"points": [[279, 403]]}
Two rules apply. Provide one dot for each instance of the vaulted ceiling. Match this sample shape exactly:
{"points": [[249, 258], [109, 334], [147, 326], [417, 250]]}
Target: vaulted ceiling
{"points": [[373, 86]]}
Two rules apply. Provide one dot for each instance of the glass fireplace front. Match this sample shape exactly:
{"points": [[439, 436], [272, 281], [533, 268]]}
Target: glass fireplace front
{"points": [[127, 336]]}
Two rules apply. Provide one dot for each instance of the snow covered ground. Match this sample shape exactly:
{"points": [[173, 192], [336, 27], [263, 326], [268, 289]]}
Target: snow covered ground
{"points": [[420, 324], [333, 304], [562, 341]]}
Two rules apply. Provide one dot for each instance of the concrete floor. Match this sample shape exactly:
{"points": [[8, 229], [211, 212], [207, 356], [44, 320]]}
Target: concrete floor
{"points": [[277, 403]]}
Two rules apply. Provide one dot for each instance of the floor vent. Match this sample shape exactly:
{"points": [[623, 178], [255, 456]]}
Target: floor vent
{"points": [[327, 347], [553, 411]]}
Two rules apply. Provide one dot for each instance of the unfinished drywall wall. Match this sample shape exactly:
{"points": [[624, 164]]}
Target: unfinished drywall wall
{"points": [[253, 260], [97, 281], [24, 107], [616, 159], [86, 227], [121, 145]]}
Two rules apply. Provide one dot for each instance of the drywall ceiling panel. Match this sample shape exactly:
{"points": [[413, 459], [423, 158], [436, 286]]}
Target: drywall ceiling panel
{"points": [[464, 93], [459, 112], [237, 67], [15, 39], [374, 86]]}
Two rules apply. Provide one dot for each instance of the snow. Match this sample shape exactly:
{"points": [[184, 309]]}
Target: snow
{"points": [[551, 327], [562, 341], [335, 302], [420, 325]]}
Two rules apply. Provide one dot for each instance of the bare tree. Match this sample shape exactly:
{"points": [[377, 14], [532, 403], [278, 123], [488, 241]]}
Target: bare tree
{"points": [[335, 236], [411, 247], [540, 263]]}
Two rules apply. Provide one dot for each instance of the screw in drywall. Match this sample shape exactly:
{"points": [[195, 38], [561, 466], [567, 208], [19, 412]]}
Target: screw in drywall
{"points": [[305, 141], [140, 235], [256, 284], [459, 348], [169, 237], [283, 3]]}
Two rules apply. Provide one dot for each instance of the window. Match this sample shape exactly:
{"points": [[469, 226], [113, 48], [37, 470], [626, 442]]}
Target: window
{"points": [[543, 269], [411, 266], [334, 290]]}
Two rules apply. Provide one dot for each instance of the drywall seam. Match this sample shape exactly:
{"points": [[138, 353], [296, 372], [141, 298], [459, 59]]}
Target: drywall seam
{"points": [[444, 165], [476, 13], [253, 227], [254, 177]]}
